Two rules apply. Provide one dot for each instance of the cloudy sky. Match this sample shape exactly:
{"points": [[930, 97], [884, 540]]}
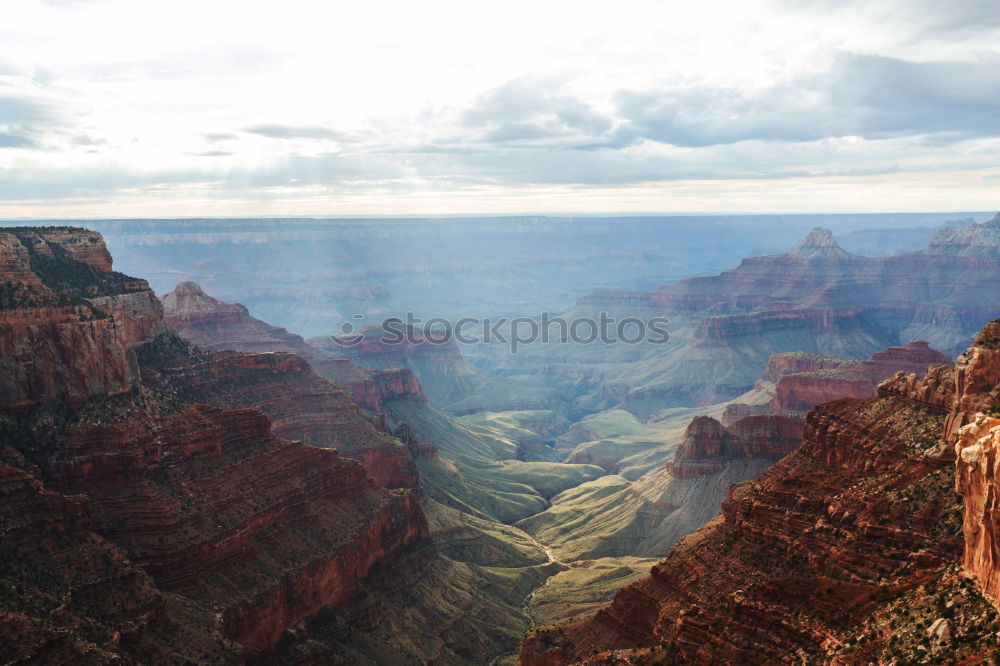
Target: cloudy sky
{"points": [[182, 107]]}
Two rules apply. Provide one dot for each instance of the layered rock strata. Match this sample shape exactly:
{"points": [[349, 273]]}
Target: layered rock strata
{"points": [[140, 527], [847, 537]]}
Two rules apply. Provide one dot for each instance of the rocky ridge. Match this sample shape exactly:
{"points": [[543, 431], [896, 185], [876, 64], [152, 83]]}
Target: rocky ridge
{"points": [[816, 298], [708, 444], [212, 536], [795, 382], [865, 512]]}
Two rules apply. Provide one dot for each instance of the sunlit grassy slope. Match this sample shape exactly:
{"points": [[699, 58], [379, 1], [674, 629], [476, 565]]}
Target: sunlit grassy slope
{"points": [[585, 587], [477, 472]]}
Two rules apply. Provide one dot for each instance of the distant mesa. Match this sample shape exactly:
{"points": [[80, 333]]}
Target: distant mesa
{"points": [[820, 243]]}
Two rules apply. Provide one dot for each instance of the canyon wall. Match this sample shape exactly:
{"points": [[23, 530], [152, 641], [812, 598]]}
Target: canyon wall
{"points": [[299, 403], [976, 436], [282, 379], [708, 444], [844, 550], [816, 298], [156, 514]]}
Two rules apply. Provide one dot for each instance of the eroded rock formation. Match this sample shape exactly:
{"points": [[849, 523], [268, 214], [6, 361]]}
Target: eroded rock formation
{"points": [[141, 527], [846, 550], [708, 444]]}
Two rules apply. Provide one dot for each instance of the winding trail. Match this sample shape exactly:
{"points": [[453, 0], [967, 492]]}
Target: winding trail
{"points": [[530, 597], [527, 600]]}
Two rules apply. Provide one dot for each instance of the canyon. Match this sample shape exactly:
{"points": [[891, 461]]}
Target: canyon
{"points": [[849, 549], [241, 493], [816, 298], [311, 275], [669, 476], [160, 513]]}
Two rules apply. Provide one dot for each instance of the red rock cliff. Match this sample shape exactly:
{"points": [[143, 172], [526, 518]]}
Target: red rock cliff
{"points": [[214, 324], [300, 404], [707, 443], [804, 389], [976, 439], [57, 344], [836, 540], [141, 528]]}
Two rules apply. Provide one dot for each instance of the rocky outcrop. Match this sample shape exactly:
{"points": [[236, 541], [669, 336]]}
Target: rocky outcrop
{"points": [[138, 312], [299, 403], [977, 240], [794, 382], [975, 430], [976, 452], [708, 444], [298, 527], [803, 390], [57, 344], [284, 383], [863, 512], [66, 353], [817, 298], [211, 323], [820, 243], [370, 388], [141, 527], [72, 243], [88, 584]]}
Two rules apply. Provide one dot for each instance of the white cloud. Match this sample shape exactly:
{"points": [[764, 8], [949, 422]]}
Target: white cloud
{"points": [[121, 106]]}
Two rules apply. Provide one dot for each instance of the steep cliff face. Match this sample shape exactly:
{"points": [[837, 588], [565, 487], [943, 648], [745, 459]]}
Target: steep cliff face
{"points": [[59, 575], [977, 240], [299, 403], [817, 298], [976, 438], [977, 482], [283, 383], [58, 342], [845, 550], [370, 388], [268, 530], [69, 353], [799, 391], [797, 381], [708, 444], [141, 527], [209, 322]]}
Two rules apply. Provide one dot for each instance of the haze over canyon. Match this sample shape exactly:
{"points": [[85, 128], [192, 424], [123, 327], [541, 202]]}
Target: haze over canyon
{"points": [[187, 480], [529, 334]]}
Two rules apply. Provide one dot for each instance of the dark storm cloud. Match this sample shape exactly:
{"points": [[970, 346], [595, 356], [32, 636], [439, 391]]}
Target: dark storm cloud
{"points": [[867, 96]]}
